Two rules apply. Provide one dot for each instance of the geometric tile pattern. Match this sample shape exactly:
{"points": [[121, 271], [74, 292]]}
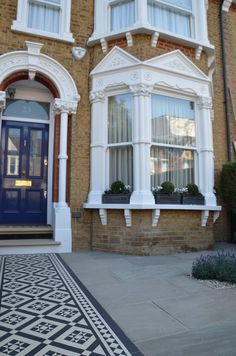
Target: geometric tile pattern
{"points": [[47, 311]]}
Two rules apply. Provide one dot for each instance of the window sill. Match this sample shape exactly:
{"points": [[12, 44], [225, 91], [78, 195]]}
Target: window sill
{"points": [[65, 37], [143, 28], [156, 211]]}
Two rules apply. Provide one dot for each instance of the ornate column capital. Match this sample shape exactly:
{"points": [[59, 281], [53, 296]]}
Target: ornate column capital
{"points": [[97, 96], [2, 99], [141, 89], [204, 102], [69, 107]]}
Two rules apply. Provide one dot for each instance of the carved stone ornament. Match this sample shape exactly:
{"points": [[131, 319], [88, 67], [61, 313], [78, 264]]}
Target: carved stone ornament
{"points": [[65, 106], [205, 102], [97, 96], [141, 89], [176, 64], [2, 99], [78, 52]]}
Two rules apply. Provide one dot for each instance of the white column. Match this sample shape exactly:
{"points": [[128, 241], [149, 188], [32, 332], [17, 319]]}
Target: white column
{"points": [[62, 214], [200, 11], [98, 147], [206, 159], [142, 14], [2, 106], [63, 160], [141, 145]]}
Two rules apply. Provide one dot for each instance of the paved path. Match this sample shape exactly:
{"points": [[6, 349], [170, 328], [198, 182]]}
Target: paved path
{"points": [[159, 308]]}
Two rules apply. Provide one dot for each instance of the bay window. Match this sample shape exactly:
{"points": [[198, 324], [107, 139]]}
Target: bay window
{"points": [[122, 14], [157, 128], [182, 21], [173, 141], [120, 139]]}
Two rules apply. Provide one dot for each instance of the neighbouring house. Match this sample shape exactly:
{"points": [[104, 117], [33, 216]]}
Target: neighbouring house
{"points": [[97, 91]]}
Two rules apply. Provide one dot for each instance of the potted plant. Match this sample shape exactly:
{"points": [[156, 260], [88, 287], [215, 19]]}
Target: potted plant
{"points": [[192, 195], [166, 194], [117, 194]]}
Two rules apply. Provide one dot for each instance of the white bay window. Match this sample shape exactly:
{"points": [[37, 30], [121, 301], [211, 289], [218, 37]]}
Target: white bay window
{"points": [[47, 18], [153, 130], [182, 21]]}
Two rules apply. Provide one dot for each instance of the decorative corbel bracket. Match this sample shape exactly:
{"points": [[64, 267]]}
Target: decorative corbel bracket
{"points": [[103, 216], [32, 74], [104, 45], [154, 39], [129, 39], [128, 217], [155, 217], [216, 216], [198, 52], [204, 218]]}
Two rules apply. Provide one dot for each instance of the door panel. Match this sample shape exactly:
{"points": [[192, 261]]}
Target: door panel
{"points": [[23, 173]]}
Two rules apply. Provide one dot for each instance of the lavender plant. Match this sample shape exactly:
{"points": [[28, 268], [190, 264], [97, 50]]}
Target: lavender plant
{"points": [[220, 266]]}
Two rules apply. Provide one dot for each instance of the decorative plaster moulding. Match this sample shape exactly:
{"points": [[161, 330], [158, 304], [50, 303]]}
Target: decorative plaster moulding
{"points": [[226, 5], [34, 62]]}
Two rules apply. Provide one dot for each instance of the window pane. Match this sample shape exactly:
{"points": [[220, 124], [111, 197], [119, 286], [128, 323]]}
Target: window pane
{"points": [[169, 19], [35, 158], [171, 164], [13, 152], [121, 165], [44, 17], [185, 4], [27, 109], [173, 121], [120, 119], [122, 15]]}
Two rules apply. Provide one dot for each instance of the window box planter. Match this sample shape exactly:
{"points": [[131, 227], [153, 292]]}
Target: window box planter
{"points": [[193, 199], [116, 198], [167, 198]]}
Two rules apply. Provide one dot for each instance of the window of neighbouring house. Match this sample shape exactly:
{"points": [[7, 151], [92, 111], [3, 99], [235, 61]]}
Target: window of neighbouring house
{"points": [[173, 141], [122, 14], [120, 138], [47, 18], [172, 15]]}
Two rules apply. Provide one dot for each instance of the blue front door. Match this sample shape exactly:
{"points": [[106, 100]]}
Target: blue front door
{"points": [[23, 173]]}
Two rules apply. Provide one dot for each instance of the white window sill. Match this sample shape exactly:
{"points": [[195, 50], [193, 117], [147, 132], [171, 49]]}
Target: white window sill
{"points": [[146, 28], [156, 211], [65, 37]]}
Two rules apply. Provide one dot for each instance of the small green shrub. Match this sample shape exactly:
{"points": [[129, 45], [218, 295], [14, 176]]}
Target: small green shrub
{"points": [[167, 188], [228, 185], [193, 189], [221, 267], [118, 187]]}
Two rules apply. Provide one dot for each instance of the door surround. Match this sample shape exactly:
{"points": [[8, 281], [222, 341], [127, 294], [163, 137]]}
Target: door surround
{"points": [[33, 65]]}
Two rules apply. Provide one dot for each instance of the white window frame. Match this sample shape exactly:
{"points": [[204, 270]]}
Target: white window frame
{"points": [[102, 29], [194, 148], [116, 2], [183, 80], [181, 10], [114, 145], [64, 34]]}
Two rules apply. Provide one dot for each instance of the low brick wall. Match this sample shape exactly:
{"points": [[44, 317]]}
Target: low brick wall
{"points": [[177, 231]]}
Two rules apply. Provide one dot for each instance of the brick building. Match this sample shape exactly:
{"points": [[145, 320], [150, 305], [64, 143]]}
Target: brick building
{"points": [[97, 91]]}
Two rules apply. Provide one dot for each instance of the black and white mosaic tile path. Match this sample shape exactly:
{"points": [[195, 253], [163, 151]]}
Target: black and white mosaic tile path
{"points": [[46, 311]]}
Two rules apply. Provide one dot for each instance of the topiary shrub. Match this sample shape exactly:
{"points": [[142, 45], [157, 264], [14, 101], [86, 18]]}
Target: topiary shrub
{"points": [[118, 187], [167, 188], [221, 267], [192, 189], [228, 185]]}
